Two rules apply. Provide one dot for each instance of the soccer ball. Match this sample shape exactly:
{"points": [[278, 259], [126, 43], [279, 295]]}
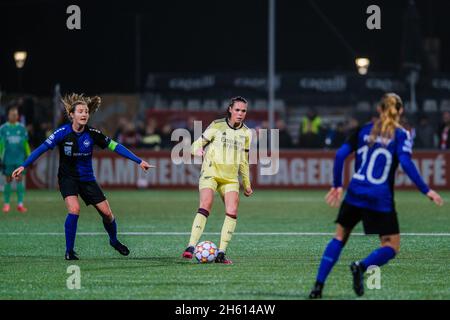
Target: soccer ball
{"points": [[206, 252]]}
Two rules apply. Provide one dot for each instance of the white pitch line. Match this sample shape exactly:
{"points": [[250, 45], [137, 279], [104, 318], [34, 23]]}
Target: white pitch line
{"points": [[210, 233]]}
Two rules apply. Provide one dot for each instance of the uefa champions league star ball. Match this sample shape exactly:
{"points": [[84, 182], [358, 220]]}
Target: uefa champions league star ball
{"points": [[206, 252]]}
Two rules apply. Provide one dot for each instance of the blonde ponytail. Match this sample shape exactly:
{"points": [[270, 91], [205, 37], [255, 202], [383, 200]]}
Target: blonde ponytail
{"points": [[389, 120]]}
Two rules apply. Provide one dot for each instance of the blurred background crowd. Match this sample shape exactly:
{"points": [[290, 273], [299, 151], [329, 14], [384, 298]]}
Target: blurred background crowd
{"points": [[310, 130]]}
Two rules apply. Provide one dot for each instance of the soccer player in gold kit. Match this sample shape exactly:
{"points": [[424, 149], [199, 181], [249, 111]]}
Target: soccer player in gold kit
{"points": [[225, 146]]}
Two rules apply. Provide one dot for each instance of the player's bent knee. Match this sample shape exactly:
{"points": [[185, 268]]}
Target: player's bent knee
{"points": [[106, 215], [205, 206], [231, 211], [74, 210]]}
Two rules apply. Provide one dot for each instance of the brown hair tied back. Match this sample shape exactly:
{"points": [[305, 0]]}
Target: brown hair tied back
{"points": [[233, 101], [389, 120], [70, 101]]}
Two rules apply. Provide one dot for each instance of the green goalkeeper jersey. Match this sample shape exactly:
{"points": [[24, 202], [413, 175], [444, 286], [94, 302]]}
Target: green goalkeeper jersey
{"points": [[14, 147]]}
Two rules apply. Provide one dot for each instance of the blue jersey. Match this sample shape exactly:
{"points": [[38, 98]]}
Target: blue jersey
{"points": [[372, 184], [75, 151]]}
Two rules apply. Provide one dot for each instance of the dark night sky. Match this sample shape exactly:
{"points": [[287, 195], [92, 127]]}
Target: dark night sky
{"points": [[196, 36]]}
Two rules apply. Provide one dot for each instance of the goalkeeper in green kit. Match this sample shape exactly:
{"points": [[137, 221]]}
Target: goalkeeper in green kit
{"points": [[14, 149]]}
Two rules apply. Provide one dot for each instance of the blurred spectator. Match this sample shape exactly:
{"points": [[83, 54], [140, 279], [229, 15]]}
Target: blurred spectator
{"points": [[166, 137], [129, 137], [444, 130], [102, 127], [38, 135], [339, 136], [190, 128], [425, 134], [152, 138], [26, 109], [140, 128], [256, 143], [285, 137], [310, 131], [122, 123], [353, 124]]}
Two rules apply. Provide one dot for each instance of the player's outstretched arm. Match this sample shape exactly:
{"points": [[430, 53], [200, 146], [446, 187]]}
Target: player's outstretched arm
{"points": [[435, 197], [333, 197], [16, 173], [343, 152], [244, 170], [197, 147], [124, 152], [411, 170], [33, 157], [145, 165]]}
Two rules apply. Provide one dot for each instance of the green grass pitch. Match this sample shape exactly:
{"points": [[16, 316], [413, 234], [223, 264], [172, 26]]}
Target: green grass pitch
{"points": [[276, 249]]}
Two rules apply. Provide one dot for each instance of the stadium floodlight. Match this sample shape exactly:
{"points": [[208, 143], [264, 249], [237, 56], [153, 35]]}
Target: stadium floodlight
{"points": [[362, 64], [20, 57]]}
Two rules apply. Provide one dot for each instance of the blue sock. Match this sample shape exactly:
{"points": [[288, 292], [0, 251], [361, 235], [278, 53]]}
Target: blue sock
{"points": [[329, 258], [111, 228], [71, 229], [378, 257]]}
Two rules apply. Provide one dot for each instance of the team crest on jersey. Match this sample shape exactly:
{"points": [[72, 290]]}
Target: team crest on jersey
{"points": [[86, 143], [68, 150]]}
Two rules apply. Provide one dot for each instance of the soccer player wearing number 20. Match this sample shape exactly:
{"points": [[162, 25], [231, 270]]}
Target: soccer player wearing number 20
{"points": [[76, 141], [380, 146]]}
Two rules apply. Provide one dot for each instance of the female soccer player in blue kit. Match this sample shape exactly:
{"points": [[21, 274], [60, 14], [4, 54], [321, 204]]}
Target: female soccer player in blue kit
{"points": [[380, 146], [76, 141]]}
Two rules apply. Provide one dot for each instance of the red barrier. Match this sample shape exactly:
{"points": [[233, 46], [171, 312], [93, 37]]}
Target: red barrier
{"points": [[297, 169]]}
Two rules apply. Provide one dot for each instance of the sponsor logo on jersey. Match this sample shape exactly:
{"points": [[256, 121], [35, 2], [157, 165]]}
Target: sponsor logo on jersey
{"points": [[82, 154], [68, 143], [68, 150], [14, 139]]}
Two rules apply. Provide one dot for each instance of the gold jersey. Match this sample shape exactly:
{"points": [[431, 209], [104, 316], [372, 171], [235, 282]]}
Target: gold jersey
{"points": [[226, 151]]}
